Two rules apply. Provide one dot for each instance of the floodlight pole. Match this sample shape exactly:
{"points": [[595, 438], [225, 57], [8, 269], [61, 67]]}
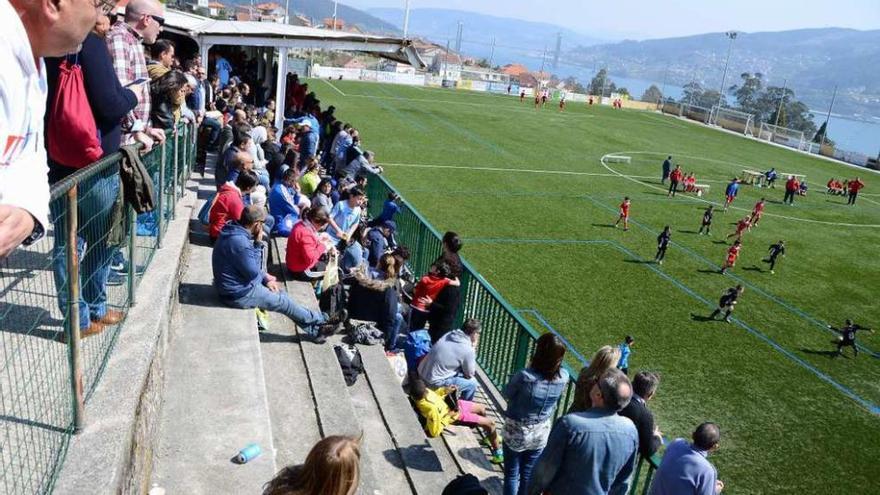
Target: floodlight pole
{"points": [[781, 101], [405, 19], [492, 53], [287, 12], [335, 6], [732, 36], [828, 116]]}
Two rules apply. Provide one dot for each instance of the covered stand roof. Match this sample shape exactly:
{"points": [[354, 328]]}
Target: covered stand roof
{"points": [[207, 31]]}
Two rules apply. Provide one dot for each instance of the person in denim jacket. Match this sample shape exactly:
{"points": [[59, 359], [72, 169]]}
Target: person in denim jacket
{"points": [[531, 394]]}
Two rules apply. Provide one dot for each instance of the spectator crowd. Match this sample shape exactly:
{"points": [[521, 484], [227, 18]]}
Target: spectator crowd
{"points": [[306, 184]]}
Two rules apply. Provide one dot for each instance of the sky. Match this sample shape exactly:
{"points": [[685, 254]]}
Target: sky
{"points": [[646, 19]]}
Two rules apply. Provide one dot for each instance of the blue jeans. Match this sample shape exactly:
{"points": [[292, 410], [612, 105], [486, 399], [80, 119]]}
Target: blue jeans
{"points": [[393, 332], [214, 127], [96, 198], [467, 387], [279, 302], [518, 470]]}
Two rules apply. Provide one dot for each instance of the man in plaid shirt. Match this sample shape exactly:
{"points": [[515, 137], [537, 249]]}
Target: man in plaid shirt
{"points": [[142, 23]]}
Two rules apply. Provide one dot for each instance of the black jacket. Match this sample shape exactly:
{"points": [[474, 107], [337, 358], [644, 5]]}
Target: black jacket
{"points": [[373, 300], [642, 417], [441, 313]]}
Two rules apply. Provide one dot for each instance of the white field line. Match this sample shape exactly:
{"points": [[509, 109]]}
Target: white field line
{"points": [[701, 200], [334, 87]]}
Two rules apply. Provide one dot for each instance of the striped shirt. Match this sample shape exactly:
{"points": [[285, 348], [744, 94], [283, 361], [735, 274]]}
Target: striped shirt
{"points": [[130, 65]]}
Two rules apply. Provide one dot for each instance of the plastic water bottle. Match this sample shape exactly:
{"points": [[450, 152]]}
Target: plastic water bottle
{"points": [[248, 453]]}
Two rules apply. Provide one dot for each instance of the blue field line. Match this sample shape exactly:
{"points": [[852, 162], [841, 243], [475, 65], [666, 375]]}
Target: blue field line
{"points": [[867, 404], [543, 321], [762, 292]]}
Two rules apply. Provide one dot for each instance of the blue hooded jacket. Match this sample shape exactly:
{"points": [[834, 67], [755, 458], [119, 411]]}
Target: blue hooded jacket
{"points": [[236, 262]]}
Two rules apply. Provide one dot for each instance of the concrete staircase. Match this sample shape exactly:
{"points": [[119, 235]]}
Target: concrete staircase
{"points": [[229, 385]]}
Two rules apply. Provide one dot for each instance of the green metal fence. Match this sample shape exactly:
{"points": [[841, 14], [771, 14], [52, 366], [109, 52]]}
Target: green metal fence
{"points": [[507, 340], [47, 372]]}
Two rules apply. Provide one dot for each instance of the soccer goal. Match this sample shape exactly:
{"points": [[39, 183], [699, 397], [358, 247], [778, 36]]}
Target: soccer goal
{"points": [[733, 120], [671, 107], [784, 136], [694, 112]]}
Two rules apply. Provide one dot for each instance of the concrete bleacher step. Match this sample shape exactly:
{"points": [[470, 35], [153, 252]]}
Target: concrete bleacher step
{"points": [[215, 400], [428, 467]]}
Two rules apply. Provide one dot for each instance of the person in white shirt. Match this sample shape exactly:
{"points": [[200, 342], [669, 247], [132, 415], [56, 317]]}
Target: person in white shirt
{"points": [[31, 30]]}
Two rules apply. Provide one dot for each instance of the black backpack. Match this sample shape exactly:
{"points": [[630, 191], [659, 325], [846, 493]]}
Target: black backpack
{"points": [[332, 301], [466, 484], [350, 361]]}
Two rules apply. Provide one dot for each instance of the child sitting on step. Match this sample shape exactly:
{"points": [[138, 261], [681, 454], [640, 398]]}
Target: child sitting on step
{"points": [[434, 407]]}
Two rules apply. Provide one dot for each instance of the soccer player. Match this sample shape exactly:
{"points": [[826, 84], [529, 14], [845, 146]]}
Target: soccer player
{"points": [[776, 250], [732, 255], [625, 351], [624, 214], [770, 177], [562, 103], [674, 178], [662, 244], [741, 227], [730, 192], [707, 220], [854, 187], [848, 336], [522, 96], [537, 99], [757, 213], [728, 302], [792, 186]]}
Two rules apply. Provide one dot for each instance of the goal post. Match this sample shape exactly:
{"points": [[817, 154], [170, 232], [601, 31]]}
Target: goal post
{"points": [[733, 120], [792, 138]]}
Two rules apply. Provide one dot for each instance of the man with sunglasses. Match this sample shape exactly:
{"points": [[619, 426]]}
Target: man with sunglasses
{"points": [[31, 30], [141, 24]]}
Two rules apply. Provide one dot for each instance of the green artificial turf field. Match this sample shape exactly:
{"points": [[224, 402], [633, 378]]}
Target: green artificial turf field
{"points": [[534, 199]]}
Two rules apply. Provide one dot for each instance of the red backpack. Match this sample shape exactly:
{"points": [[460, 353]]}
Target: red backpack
{"points": [[72, 132]]}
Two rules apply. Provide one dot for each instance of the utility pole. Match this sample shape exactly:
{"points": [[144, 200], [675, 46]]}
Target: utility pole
{"points": [[828, 116], [406, 19], [287, 12], [335, 6], [663, 89], [492, 53], [732, 36], [543, 58], [458, 37], [781, 101], [558, 49], [446, 60]]}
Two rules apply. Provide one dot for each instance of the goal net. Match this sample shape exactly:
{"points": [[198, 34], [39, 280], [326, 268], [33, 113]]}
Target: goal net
{"points": [[671, 107], [694, 112], [784, 136], [733, 120]]}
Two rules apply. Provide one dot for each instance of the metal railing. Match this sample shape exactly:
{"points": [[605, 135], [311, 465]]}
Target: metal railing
{"points": [[51, 290], [507, 340]]}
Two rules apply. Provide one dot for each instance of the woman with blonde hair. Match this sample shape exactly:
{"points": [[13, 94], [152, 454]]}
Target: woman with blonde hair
{"points": [[604, 359], [331, 468]]}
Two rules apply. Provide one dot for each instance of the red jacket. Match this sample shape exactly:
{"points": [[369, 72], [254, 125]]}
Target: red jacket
{"points": [[792, 185], [675, 176], [227, 206], [303, 248], [855, 186]]}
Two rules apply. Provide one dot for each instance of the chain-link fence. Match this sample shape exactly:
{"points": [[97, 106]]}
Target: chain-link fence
{"points": [[84, 271]]}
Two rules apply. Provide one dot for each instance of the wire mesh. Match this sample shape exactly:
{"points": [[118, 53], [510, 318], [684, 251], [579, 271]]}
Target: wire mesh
{"points": [[36, 393]]}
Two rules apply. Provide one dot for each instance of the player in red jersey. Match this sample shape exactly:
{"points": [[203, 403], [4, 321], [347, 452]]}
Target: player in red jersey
{"points": [[741, 227], [757, 213], [732, 255], [562, 103], [624, 214]]}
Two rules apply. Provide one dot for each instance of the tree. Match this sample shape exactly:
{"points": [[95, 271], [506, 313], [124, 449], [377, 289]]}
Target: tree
{"points": [[601, 85], [652, 94], [572, 84], [623, 91], [749, 92], [483, 63], [692, 92], [821, 136]]}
